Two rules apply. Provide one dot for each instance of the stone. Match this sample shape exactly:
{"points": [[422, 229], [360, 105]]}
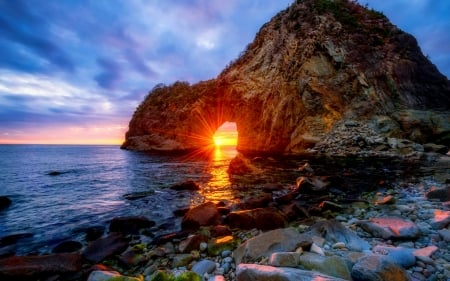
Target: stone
{"points": [[312, 184], [182, 260], [260, 218], [425, 252], [204, 266], [240, 165], [131, 258], [98, 275], [130, 225], [187, 185], [316, 249], [329, 265], [293, 211], [260, 201], [94, 232], [67, 247], [390, 227], [220, 230], [33, 267], [264, 245], [285, 259], [440, 219], [216, 278], [335, 232], [192, 243], [205, 214], [217, 245], [438, 148], [444, 234], [441, 194], [105, 247], [5, 202], [14, 238], [402, 256], [386, 200], [252, 272], [376, 268]]}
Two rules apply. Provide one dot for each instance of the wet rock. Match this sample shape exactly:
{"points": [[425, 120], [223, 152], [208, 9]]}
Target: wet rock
{"points": [[94, 232], [182, 260], [98, 275], [438, 148], [264, 219], [386, 200], [220, 230], [130, 225], [264, 245], [440, 219], [425, 252], [402, 256], [260, 201], [7, 251], [444, 234], [26, 267], [14, 238], [252, 272], [187, 185], [205, 214], [441, 194], [181, 212], [105, 247], [285, 259], [67, 247], [332, 265], [330, 206], [288, 198], [138, 195], [335, 232], [133, 256], [307, 185], [55, 173], [294, 211], [240, 165], [390, 227], [192, 243], [217, 245], [5, 202], [376, 268], [204, 266]]}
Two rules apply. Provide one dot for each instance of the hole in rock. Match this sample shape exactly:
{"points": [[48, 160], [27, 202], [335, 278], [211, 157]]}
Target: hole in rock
{"points": [[226, 135]]}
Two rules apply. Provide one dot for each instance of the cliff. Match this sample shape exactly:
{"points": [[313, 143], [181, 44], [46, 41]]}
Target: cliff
{"points": [[313, 67]]}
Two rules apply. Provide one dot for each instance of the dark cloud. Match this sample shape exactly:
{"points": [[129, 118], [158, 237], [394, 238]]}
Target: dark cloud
{"points": [[19, 26], [138, 64], [110, 75]]}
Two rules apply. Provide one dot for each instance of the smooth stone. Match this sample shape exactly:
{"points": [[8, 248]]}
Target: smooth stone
{"points": [[217, 245], [216, 278], [387, 200], [187, 185], [253, 272], [34, 267], [401, 256], [260, 218], [316, 249], [192, 243], [130, 225], [425, 252], [390, 227], [7, 251], [105, 247], [377, 268], [204, 266], [329, 265], [14, 238], [98, 275], [335, 232], [441, 194], [67, 247], [444, 234], [182, 260], [205, 214], [284, 259], [94, 232], [440, 219], [264, 245]]}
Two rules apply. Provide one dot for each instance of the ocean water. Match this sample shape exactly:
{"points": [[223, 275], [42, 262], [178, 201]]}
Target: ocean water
{"points": [[60, 190]]}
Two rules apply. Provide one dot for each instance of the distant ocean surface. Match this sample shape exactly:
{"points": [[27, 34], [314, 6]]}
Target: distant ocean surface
{"points": [[60, 190]]}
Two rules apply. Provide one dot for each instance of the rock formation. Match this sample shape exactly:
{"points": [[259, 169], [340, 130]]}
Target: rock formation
{"points": [[315, 65]]}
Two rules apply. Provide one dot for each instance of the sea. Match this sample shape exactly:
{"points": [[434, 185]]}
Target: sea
{"points": [[58, 191]]}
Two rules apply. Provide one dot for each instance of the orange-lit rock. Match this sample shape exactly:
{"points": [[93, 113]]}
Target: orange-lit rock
{"points": [[205, 214], [441, 219], [306, 70], [390, 227]]}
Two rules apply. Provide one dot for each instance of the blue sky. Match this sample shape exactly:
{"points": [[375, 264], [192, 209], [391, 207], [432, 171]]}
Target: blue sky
{"points": [[73, 71]]}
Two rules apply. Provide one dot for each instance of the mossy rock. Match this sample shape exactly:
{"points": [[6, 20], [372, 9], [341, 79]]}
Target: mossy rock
{"points": [[185, 276]]}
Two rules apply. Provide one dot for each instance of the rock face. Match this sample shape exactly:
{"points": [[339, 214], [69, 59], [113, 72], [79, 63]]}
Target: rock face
{"points": [[314, 64]]}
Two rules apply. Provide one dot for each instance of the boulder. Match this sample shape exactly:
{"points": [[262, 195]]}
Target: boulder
{"points": [[94, 232], [264, 245], [34, 267], [334, 232], [187, 185], [285, 259], [205, 214], [130, 225], [260, 201], [264, 219], [220, 230], [440, 219], [329, 265], [5, 202], [204, 266], [441, 194], [390, 227], [404, 257], [13, 238], [105, 247], [67, 247], [252, 272], [376, 268]]}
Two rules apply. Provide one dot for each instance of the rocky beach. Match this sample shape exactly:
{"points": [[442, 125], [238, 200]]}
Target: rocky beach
{"points": [[345, 218]]}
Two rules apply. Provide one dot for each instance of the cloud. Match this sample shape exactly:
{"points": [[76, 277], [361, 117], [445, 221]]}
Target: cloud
{"points": [[110, 74]]}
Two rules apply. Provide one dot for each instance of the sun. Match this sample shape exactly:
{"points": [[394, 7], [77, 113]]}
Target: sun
{"points": [[218, 141]]}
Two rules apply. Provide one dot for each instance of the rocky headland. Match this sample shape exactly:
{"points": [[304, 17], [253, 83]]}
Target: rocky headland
{"points": [[316, 69]]}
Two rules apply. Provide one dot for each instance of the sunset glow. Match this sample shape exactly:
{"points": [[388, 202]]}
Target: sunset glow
{"points": [[226, 135]]}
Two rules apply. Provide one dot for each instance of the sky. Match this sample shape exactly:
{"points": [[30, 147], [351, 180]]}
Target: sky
{"points": [[73, 71]]}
